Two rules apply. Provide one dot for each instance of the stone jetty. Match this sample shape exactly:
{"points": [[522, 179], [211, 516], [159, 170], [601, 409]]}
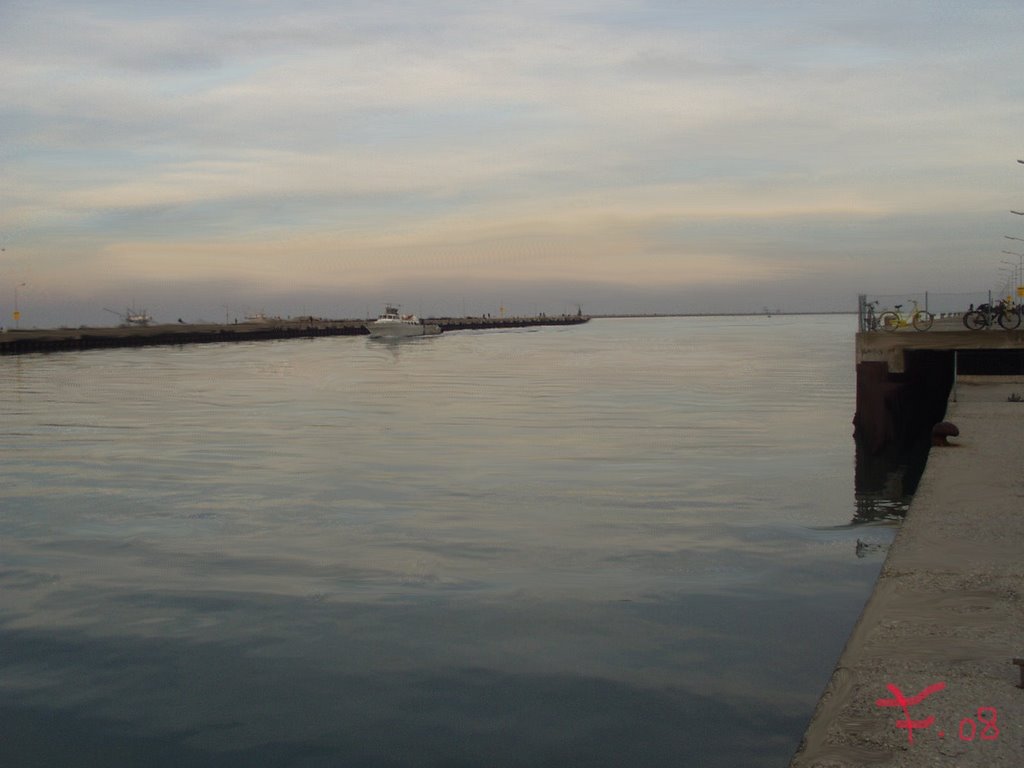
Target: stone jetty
{"points": [[13, 342]]}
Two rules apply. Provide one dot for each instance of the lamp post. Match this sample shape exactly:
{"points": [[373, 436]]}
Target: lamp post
{"points": [[1019, 277], [1006, 278], [1018, 274], [1010, 272], [17, 313]]}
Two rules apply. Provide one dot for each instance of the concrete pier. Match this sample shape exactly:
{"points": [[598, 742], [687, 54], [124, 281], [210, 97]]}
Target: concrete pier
{"points": [[904, 378], [13, 342], [495, 323], [946, 619]]}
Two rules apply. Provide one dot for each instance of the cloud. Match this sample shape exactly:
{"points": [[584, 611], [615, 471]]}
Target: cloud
{"points": [[636, 142]]}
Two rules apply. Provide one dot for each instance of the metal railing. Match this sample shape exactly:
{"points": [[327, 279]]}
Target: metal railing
{"points": [[940, 305]]}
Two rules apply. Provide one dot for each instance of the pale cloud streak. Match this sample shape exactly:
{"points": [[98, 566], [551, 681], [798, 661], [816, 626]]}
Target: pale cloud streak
{"points": [[319, 144]]}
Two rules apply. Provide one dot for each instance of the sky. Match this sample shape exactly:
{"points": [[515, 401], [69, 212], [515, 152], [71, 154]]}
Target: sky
{"points": [[209, 159]]}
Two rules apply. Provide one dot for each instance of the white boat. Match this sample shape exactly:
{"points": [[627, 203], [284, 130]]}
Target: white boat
{"points": [[393, 325], [133, 317]]}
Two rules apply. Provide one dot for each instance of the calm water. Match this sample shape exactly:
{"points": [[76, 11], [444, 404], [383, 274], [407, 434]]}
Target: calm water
{"points": [[625, 543]]}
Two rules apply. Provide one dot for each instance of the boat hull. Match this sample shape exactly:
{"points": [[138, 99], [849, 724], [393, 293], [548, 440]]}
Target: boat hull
{"points": [[401, 330]]}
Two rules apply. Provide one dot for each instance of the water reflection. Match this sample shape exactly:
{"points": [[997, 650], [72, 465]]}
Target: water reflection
{"points": [[515, 683], [884, 483], [396, 344], [610, 545]]}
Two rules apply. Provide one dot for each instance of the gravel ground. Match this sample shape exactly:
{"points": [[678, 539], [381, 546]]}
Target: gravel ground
{"points": [[948, 609]]}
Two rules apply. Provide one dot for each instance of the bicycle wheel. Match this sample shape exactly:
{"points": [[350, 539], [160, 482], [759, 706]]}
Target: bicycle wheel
{"points": [[975, 320], [923, 320], [1009, 320], [888, 321]]}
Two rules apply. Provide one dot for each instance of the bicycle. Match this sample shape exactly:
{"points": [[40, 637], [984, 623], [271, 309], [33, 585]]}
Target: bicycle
{"points": [[1004, 312], [870, 318], [1012, 316], [892, 320]]}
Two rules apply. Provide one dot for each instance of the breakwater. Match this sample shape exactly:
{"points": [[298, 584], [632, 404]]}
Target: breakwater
{"points": [[494, 323], [14, 342]]}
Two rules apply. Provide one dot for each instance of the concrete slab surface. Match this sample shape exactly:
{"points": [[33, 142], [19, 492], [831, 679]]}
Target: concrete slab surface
{"points": [[946, 618]]}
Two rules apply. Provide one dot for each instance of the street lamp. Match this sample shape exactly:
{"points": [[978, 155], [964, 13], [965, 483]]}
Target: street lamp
{"points": [[1011, 237], [1008, 279], [1018, 275], [1019, 213], [17, 314]]}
